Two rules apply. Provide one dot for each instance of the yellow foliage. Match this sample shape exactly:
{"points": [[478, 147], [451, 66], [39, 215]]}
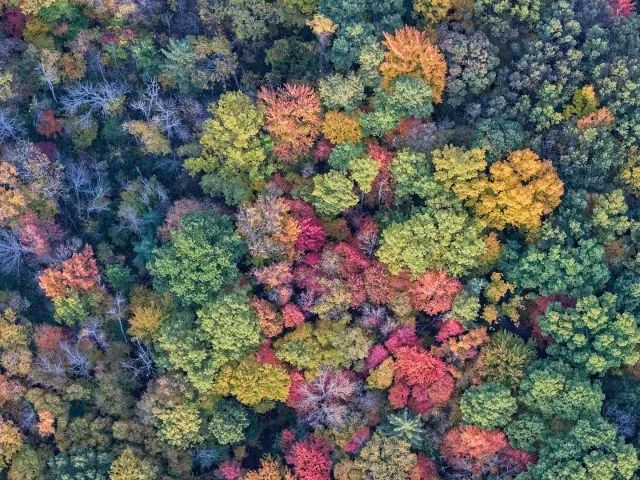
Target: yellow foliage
{"points": [[462, 171], [520, 191], [6, 80], [382, 376], [339, 127], [11, 441], [12, 335], [437, 11], [153, 141], [584, 102], [630, 173], [253, 383], [321, 25], [148, 311], [411, 52]]}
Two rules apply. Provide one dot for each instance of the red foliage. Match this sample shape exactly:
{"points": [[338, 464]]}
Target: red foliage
{"points": [[48, 338], [292, 316], [37, 234], [80, 272], [469, 448], [377, 355], [450, 328], [293, 118], [622, 8], [274, 275], [311, 236], [357, 440], [11, 390], [311, 459], [14, 21], [229, 470], [382, 188], [270, 321], [48, 124], [434, 292], [323, 149], [516, 460], [265, 354], [402, 337], [179, 209], [421, 381], [425, 469]]}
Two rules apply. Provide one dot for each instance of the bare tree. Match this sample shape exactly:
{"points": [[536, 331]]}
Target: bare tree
{"points": [[10, 252], [90, 98], [78, 362], [142, 365], [10, 126]]}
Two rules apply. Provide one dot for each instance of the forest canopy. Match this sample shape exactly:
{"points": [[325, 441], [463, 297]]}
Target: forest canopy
{"points": [[319, 240]]}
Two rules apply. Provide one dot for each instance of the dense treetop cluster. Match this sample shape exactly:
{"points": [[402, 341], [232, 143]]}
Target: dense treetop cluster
{"points": [[319, 240]]}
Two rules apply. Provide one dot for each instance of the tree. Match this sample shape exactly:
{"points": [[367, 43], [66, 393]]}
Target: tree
{"points": [[472, 60], [470, 448], [224, 330], [521, 190], [11, 440], [292, 118], [410, 52], [592, 334], [591, 449], [11, 196], [78, 274], [381, 457], [488, 406], [199, 259], [228, 422], [505, 358], [311, 459], [434, 239], [434, 292], [128, 466], [232, 147], [252, 383], [333, 193], [153, 141]]}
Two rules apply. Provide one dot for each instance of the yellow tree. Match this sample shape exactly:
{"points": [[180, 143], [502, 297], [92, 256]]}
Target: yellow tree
{"points": [[520, 191]]}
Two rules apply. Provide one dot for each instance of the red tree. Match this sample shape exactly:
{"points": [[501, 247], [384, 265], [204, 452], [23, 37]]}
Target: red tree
{"points": [[434, 292], [293, 118], [470, 448], [311, 459]]}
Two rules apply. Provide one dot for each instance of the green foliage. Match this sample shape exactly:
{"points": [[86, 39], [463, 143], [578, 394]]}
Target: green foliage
{"points": [[382, 457], [434, 239], [225, 329], [340, 92], [128, 466], [200, 258], [72, 309], [405, 426], [591, 449], [332, 193], [233, 149], [577, 270], [228, 422], [488, 406], [592, 334], [80, 465], [506, 357]]}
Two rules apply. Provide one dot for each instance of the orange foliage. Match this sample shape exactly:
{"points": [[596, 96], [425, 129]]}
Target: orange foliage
{"points": [[410, 52], [292, 119], [45, 423], [434, 292], [11, 198], [270, 469], [467, 447], [602, 116], [339, 127], [80, 272], [48, 124], [270, 321]]}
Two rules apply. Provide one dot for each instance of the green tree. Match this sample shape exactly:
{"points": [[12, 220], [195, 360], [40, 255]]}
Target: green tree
{"points": [[200, 258], [333, 193], [228, 422], [488, 406], [434, 239], [233, 149], [593, 334]]}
